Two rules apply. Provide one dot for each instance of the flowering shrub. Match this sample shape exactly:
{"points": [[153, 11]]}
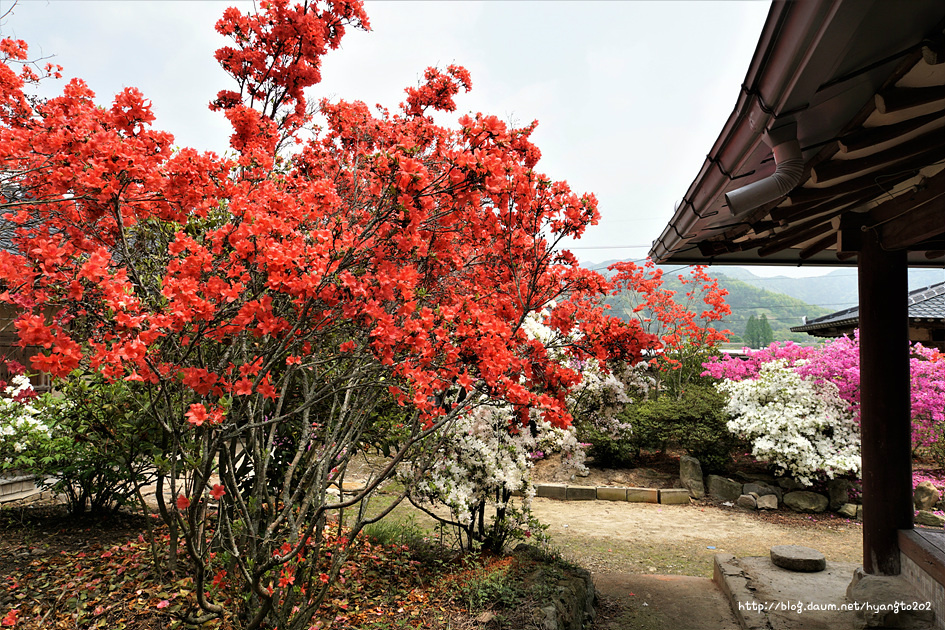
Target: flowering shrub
{"points": [[838, 363], [480, 466], [800, 426], [86, 441], [266, 303], [22, 430], [684, 323], [749, 364], [487, 452]]}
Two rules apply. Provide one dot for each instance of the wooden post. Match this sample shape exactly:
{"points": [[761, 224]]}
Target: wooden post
{"points": [[885, 425]]}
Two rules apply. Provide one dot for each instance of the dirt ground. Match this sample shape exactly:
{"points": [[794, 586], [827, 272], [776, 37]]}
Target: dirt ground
{"points": [[682, 539], [652, 564]]}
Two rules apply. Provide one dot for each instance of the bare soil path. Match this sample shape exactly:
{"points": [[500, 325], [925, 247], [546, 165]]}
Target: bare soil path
{"points": [[652, 564], [682, 539]]}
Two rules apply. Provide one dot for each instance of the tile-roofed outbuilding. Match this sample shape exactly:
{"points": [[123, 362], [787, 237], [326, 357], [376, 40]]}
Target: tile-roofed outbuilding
{"points": [[926, 318]]}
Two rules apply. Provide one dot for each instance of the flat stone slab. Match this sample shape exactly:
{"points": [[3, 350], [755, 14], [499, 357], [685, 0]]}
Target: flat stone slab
{"points": [[894, 603], [581, 493], [643, 495], [607, 493], [797, 558], [766, 597], [552, 491], [674, 496]]}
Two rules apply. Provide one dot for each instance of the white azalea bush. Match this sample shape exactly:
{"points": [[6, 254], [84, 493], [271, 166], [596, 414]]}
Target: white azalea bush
{"points": [[487, 453], [22, 429], [479, 466], [799, 426]]}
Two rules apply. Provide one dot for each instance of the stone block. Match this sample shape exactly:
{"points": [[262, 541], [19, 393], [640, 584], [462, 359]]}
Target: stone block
{"points": [[605, 493], [767, 502], [848, 510], [789, 484], [838, 491], [552, 491], [925, 496], [674, 496], [723, 489], [690, 474], [797, 558], [643, 495], [893, 603], [806, 502], [582, 493], [762, 489], [929, 519], [746, 501]]}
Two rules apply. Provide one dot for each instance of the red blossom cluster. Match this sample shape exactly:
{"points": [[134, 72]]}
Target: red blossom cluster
{"points": [[242, 293], [683, 323], [426, 245]]}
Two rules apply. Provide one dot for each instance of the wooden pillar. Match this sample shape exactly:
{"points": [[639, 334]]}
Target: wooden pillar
{"points": [[885, 426]]}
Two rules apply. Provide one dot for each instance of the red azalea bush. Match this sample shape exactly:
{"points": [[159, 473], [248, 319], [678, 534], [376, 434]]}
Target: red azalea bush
{"points": [[269, 310]]}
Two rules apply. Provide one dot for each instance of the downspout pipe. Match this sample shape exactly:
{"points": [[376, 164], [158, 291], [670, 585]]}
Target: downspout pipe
{"points": [[789, 168]]}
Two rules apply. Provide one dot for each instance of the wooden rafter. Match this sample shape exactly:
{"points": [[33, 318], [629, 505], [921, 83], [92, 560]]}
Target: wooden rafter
{"points": [[795, 236], [898, 99], [872, 136], [819, 246], [880, 181], [930, 143], [917, 226]]}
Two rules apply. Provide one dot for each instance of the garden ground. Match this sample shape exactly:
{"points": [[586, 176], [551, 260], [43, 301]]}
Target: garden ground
{"points": [[652, 563]]}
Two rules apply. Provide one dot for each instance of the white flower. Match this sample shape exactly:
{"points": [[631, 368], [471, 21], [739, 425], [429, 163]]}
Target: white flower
{"points": [[800, 426]]}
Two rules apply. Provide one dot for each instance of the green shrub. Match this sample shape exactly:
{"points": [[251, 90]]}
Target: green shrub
{"points": [[694, 422], [101, 446]]}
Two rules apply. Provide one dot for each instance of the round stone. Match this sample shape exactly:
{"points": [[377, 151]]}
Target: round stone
{"points": [[797, 558]]}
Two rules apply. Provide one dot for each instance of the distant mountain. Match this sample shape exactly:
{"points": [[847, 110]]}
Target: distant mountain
{"points": [[834, 291], [745, 300]]}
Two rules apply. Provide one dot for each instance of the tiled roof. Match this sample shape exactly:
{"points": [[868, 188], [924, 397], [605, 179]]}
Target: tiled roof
{"points": [[926, 303]]}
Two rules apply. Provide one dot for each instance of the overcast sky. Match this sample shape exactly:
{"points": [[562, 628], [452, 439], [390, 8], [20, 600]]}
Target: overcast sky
{"points": [[629, 96]]}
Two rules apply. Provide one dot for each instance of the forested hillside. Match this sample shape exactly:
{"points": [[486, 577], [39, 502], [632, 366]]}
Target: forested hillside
{"points": [[784, 301], [781, 311]]}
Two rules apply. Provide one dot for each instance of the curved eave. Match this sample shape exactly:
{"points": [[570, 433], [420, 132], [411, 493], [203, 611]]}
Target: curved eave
{"points": [[818, 65]]}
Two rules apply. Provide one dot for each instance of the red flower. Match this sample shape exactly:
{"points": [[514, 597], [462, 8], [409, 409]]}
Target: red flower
{"points": [[218, 491], [197, 414], [182, 502], [10, 618]]}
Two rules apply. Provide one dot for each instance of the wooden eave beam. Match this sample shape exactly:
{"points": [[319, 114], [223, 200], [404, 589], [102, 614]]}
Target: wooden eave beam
{"points": [[898, 99], [920, 225], [931, 245], [819, 246], [795, 236], [866, 138], [926, 144], [879, 181], [809, 209], [925, 191]]}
